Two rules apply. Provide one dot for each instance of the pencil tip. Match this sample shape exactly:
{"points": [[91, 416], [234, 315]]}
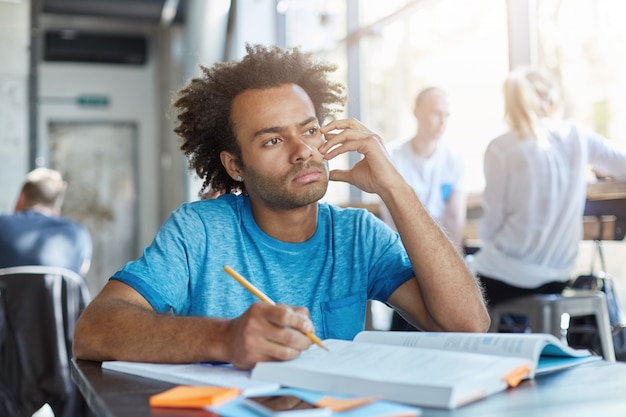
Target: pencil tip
{"points": [[323, 346]]}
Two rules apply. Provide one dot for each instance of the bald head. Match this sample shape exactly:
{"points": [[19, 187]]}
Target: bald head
{"points": [[432, 111]]}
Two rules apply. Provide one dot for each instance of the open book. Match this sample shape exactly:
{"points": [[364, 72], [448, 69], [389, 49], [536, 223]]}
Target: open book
{"points": [[440, 370], [227, 376]]}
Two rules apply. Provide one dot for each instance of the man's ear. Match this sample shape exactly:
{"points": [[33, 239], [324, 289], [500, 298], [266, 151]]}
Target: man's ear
{"points": [[231, 164], [21, 204], [416, 111]]}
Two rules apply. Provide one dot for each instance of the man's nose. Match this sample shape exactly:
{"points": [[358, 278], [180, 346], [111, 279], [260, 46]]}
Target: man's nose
{"points": [[302, 151]]}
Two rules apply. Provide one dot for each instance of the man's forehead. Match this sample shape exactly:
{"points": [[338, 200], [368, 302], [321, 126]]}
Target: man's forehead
{"points": [[277, 106], [434, 97], [283, 89]]}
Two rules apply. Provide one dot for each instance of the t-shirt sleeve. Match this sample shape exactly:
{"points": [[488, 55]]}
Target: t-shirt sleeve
{"points": [[161, 274]]}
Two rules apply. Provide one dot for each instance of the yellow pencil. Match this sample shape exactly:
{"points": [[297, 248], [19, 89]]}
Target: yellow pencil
{"points": [[254, 290]]}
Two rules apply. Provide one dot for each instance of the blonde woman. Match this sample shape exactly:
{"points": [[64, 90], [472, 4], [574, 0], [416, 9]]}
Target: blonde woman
{"points": [[535, 191]]}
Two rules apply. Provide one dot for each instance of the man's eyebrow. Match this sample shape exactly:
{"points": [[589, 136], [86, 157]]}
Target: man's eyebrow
{"points": [[309, 120], [278, 129]]}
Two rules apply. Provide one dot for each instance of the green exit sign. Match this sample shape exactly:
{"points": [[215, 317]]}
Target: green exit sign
{"points": [[92, 101]]}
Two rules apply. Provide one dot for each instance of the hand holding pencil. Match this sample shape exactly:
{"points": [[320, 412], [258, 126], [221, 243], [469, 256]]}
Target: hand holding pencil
{"points": [[254, 290]]}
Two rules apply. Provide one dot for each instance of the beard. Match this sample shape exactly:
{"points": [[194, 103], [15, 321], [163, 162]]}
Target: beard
{"points": [[274, 192]]}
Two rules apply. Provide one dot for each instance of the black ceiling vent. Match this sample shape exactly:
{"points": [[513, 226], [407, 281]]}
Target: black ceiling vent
{"points": [[74, 46]]}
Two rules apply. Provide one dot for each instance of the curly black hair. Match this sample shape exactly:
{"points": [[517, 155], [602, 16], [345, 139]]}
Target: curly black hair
{"points": [[204, 104]]}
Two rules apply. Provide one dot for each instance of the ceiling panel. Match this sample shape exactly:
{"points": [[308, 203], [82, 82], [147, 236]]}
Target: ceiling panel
{"points": [[142, 10]]}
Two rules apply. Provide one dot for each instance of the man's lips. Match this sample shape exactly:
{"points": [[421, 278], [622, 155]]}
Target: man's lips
{"points": [[307, 176]]}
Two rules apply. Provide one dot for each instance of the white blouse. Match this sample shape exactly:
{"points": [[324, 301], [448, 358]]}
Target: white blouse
{"points": [[534, 199]]}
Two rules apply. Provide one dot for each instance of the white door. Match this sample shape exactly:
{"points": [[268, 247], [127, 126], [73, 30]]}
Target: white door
{"points": [[98, 161]]}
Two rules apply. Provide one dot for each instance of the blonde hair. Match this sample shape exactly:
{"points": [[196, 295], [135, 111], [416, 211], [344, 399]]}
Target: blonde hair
{"points": [[44, 187], [529, 95]]}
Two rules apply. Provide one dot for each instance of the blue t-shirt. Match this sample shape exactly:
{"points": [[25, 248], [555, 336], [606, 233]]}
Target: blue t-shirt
{"points": [[33, 238], [352, 257]]}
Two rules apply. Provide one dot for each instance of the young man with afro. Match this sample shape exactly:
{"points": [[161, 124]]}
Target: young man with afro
{"points": [[254, 131]]}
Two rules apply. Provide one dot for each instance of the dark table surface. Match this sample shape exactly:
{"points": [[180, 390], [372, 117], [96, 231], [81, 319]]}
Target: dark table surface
{"points": [[592, 390]]}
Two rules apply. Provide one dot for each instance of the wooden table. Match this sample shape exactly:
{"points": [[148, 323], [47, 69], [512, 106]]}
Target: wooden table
{"points": [[596, 389], [605, 212], [606, 204]]}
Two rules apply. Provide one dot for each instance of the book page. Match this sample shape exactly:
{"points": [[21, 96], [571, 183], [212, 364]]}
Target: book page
{"points": [[400, 364], [522, 345], [428, 377]]}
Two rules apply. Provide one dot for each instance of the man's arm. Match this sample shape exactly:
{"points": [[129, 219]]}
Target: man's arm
{"points": [[454, 217], [451, 299], [119, 324], [444, 295]]}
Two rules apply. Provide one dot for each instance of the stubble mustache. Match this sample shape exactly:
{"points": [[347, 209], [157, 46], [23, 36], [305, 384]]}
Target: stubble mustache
{"points": [[321, 167]]}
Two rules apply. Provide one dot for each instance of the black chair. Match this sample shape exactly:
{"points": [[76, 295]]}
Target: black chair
{"points": [[39, 307]]}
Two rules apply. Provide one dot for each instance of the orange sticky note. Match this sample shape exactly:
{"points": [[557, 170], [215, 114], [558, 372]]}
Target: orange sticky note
{"points": [[185, 396], [516, 376], [343, 404]]}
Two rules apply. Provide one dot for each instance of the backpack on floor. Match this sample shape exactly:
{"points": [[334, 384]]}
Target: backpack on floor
{"points": [[582, 332]]}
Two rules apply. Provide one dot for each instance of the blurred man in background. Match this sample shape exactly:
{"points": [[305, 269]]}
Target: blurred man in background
{"points": [[37, 234], [433, 170]]}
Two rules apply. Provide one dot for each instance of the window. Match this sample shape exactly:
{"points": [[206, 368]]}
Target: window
{"points": [[582, 44], [406, 46], [462, 46]]}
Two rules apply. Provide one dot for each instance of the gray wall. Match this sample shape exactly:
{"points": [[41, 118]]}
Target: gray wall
{"points": [[14, 60], [137, 95]]}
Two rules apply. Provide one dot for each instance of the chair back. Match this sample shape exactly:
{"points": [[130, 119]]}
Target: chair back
{"points": [[39, 306]]}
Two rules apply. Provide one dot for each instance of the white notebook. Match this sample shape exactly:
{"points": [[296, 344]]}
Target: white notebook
{"points": [[195, 374]]}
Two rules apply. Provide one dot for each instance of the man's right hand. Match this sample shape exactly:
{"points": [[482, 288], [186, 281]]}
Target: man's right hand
{"points": [[119, 324], [267, 333]]}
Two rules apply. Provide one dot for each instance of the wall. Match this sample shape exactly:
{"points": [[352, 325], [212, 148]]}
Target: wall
{"points": [[132, 97], [248, 28], [14, 59], [136, 94]]}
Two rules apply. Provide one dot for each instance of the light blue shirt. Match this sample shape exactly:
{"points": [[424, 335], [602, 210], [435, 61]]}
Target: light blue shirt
{"points": [[352, 257]]}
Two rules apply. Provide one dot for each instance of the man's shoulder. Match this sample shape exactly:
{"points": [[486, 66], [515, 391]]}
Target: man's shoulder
{"points": [[6, 218], [42, 225], [226, 202], [349, 214], [504, 142], [448, 154], [227, 209], [341, 209], [34, 219], [68, 226]]}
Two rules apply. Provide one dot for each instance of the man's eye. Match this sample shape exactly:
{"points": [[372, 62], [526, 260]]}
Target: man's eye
{"points": [[312, 131], [272, 141]]}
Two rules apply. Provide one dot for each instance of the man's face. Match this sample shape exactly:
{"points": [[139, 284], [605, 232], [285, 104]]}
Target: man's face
{"points": [[432, 114], [279, 137]]}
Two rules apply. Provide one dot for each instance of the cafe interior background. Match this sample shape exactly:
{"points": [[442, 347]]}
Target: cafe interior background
{"points": [[86, 87]]}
